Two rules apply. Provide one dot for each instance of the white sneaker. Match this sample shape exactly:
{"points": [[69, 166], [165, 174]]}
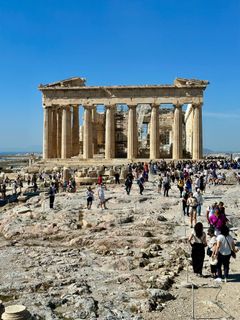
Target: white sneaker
{"points": [[225, 280], [218, 280]]}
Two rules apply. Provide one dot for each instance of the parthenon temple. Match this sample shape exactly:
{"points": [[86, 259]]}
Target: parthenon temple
{"points": [[144, 121]]}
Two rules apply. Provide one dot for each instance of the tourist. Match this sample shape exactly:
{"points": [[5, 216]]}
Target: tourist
{"points": [[14, 187], [101, 197], [140, 183], [128, 183], [117, 176], [192, 203], [89, 197], [100, 180], [225, 245], [217, 221], [199, 198], [160, 181], [210, 210], [51, 193], [180, 186], [185, 206], [198, 242], [210, 251], [166, 185]]}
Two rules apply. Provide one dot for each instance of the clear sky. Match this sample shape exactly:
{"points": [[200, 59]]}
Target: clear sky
{"points": [[113, 42]]}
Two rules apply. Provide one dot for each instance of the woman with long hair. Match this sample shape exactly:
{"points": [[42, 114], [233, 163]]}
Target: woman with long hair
{"points": [[198, 242]]}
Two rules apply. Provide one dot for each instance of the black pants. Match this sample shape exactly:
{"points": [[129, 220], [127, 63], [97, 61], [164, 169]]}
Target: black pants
{"points": [[198, 254], [185, 208], [128, 189], [51, 199], [141, 188], [223, 261]]}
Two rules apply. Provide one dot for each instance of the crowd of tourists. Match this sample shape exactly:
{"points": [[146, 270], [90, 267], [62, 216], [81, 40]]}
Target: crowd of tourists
{"points": [[191, 179]]}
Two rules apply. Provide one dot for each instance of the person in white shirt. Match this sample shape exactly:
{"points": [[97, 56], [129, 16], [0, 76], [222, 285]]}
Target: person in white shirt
{"points": [[199, 198], [225, 244]]}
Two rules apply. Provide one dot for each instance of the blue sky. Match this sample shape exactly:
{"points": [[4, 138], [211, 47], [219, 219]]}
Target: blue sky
{"points": [[118, 42]]}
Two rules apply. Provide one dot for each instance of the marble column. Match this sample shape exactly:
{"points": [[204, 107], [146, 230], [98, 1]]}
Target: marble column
{"points": [[197, 132], [87, 133], [66, 133], [109, 133], [59, 132], [94, 130], [46, 132], [177, 133], [75, 131], [154, 133], [50, 137], [132, 126], [54, 132]]}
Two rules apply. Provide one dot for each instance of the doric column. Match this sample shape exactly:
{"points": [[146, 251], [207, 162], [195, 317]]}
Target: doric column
{"points": [[59, 132], [54, 132], [154, 133], [87, 133], [132, 126], [50, 137], [177, 133], [94, 130], [109, 134], [75, 131], [197, 132], [46, 132], [66, 133]]}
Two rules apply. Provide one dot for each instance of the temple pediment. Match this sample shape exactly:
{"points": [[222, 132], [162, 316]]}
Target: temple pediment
{"points": [[182, 82], [71, 82]]}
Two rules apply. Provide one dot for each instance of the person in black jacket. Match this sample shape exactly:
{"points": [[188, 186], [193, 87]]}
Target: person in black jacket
{"points": [[52, 191]]}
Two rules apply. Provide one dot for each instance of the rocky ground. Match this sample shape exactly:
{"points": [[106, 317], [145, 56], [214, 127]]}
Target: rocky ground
{"points": [[129, 261]]}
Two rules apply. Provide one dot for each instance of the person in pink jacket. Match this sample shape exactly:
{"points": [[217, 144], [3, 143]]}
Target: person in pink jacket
{"points": [[217, 220]]}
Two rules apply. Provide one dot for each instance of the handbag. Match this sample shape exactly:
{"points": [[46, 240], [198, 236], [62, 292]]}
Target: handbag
{"points": [[213, 260], [233, 253]]}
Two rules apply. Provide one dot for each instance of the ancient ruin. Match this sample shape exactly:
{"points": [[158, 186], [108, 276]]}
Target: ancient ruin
{"points": [[123, 121]]}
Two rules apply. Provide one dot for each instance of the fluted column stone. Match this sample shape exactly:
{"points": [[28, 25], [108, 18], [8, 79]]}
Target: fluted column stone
{"points": [[109, 134], [131, 142], [87, 133], [154, 132], [59, 132], [75, 131], [46, 132], [197, 132], [177, 133], [66, 133], [54, 133]]}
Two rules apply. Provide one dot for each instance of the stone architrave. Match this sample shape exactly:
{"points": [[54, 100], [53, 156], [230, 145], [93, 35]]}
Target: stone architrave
{"points": [[66, 133], [75, 131], [59, 132], [46, 133], [177, 133], [87, 133], [132, 132], [109, 133], [197, 132], [154, 132]]}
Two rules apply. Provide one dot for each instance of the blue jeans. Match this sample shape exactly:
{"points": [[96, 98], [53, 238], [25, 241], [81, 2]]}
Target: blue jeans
{"points": [[199, 209]]}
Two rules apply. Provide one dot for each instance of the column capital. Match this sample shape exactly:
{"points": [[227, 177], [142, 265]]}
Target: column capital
{"points": [[132, 106], [177, 105], [109, 106], [154, 105], [88, 107], [197, 105]]}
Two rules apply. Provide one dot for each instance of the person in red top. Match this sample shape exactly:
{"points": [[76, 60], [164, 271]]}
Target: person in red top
{"points": [[99, 180]]}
